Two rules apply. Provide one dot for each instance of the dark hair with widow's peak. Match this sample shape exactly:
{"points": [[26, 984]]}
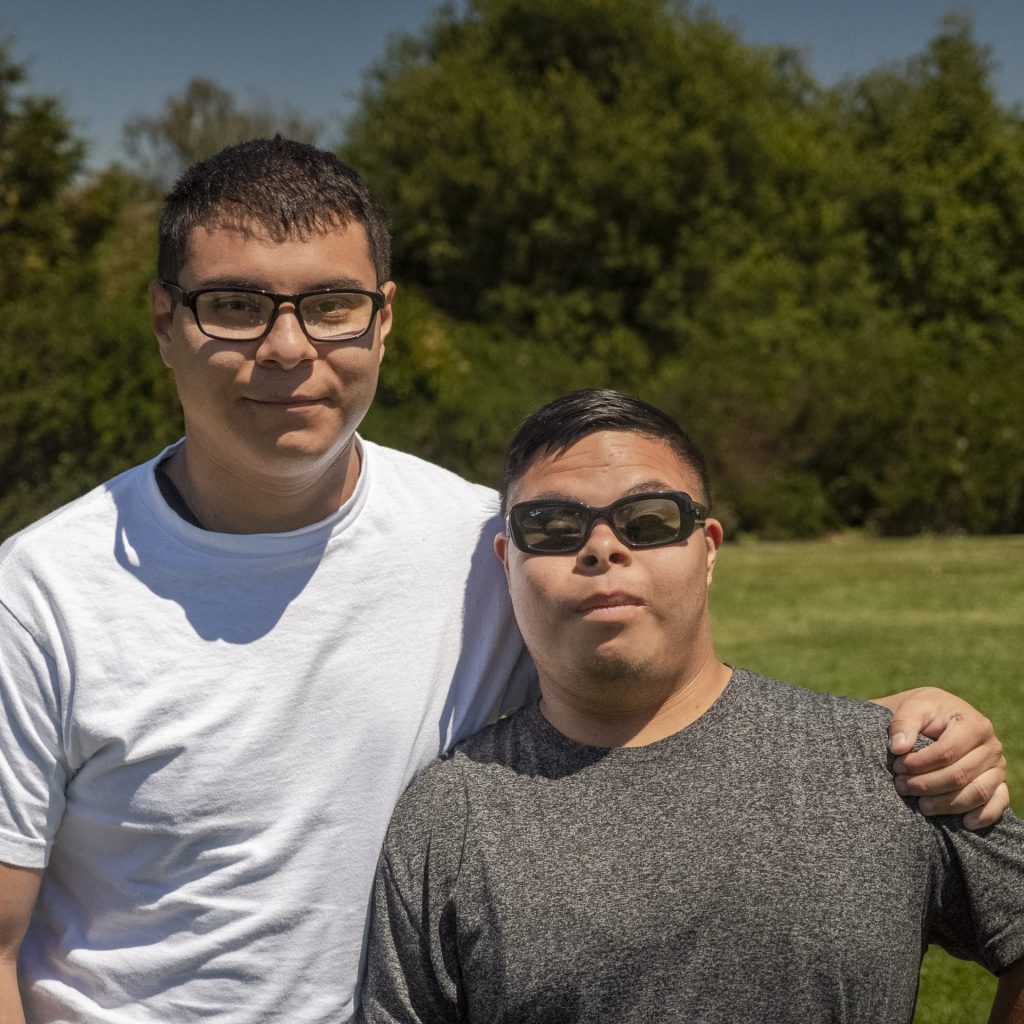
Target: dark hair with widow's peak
{"points": [[288, 188], [557, 426]]}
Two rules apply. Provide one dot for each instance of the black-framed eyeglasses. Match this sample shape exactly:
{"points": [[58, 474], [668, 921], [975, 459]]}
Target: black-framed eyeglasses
{"points": [[248, 314], [648, 520]]}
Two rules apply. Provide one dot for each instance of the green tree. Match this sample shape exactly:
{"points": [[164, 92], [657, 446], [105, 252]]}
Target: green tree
{"points": [[84, 392], [38, 158], [626, 195], [940, 198], [816, 282]]}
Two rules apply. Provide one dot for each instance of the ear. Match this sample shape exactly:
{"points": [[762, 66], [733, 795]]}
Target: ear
{"points": [[501, 550], [160, 316], [387, 313], [714, 534]]}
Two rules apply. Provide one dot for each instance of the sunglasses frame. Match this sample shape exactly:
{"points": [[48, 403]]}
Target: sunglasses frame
{"points": [[689, 511]]}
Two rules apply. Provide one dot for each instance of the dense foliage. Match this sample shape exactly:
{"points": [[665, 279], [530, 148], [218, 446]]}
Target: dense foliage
{"points": [[823, 285]]}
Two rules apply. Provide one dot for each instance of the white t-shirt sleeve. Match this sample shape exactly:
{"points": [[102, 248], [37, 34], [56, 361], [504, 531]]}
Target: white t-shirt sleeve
{"points": [[33, 768]]}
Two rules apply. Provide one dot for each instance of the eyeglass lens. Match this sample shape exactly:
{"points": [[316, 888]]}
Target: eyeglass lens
{"points": [[243, 316], [641, 522]]}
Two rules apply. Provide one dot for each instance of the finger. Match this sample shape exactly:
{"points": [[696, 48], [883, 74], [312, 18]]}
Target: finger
{"points": [[982, 817], [929, 711], [917, 717], [975, 794], [952, 778], [961, 739], [969, 723], [902, 740], [913, 717]]}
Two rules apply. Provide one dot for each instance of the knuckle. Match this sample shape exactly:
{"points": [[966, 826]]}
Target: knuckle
{"points": [[988, 817], [992, 811], [916, 785], [980, 723], [933, 805], [975, 795]]}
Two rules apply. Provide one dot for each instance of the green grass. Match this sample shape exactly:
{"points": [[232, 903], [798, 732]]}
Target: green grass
{"points": [[867, 617]]}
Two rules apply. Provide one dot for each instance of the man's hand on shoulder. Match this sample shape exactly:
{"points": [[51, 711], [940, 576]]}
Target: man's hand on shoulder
{"points": [[963, 771]]}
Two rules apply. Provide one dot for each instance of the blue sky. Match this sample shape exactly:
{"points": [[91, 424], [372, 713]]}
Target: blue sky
{"points": [[111, 59]]}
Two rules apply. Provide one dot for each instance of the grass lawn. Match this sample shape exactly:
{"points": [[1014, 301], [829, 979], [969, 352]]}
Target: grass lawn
{"points": [[867, 617]]}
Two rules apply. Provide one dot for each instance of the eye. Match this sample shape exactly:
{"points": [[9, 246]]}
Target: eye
{"points": [[649, 521], [556, 527], [552, 527], [234, 301], [648, 527], [334, 306], [232, 307]]}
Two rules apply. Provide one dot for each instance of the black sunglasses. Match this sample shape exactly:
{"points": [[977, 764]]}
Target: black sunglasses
{"points": [[648, 520]]}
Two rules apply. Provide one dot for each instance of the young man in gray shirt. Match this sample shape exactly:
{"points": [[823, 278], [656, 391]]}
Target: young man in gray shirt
{"points": [[665, 837]]}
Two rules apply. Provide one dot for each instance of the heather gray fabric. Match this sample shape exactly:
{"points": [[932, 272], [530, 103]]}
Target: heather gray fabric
{"points": [[757, 866]]}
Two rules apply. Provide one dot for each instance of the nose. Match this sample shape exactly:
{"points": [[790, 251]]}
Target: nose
{"points": [[285, 344], [602, 549]]}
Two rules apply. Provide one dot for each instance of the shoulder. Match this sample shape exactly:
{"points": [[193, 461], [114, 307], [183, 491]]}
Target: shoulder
{"points": [[426, 835], [500, 744], [806, 707], [439, 798], [69, 532], [432, 799], [819, 727], [425, 481]]}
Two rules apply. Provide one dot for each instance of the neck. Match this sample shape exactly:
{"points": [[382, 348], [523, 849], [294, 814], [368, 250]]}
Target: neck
{"points": [[225, 500], [629, 713]]}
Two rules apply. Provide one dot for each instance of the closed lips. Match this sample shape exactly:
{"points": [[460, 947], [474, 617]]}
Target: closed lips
{"points": [[608, 601]]}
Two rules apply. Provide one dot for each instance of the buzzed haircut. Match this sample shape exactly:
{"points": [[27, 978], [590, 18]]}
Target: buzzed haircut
{"points": [[289, 188], [557, 426]]}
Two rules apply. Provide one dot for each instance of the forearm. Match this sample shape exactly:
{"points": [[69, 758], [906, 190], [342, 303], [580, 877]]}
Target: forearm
{"points": [[1009, 1005], [10, 998], [18, 890]]}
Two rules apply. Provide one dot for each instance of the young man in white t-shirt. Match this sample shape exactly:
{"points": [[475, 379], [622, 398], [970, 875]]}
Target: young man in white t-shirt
{"points": [[219, 670]]}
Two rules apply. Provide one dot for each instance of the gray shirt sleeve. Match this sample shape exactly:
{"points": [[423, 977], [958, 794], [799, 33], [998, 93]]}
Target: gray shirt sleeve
{"points": [[412, 971], [974, 909]]}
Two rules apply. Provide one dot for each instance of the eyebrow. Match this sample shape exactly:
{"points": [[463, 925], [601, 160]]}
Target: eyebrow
{"points": [[227, 282], [640, 488]]}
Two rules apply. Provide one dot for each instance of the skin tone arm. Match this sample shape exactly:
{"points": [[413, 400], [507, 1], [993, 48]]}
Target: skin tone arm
{"points": [[18, 890], [963, 771], [1009, 1005]]}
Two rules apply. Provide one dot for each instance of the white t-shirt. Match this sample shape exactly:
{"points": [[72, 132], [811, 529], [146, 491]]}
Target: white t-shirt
{"points": [[203, 735]]}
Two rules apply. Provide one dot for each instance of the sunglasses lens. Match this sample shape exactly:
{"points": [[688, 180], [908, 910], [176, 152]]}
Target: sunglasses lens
{"points": [[551, 527], [648, 522]]}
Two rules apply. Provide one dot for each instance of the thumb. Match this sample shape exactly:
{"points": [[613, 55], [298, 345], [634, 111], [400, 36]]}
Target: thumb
{"points": [[903, 730]]}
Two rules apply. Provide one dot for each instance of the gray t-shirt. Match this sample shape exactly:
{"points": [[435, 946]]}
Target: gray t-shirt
{"points": [[757, 865]]}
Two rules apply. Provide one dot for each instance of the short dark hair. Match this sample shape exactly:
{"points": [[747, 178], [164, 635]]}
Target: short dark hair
{"points": [[560, 424], [288, 187]]}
